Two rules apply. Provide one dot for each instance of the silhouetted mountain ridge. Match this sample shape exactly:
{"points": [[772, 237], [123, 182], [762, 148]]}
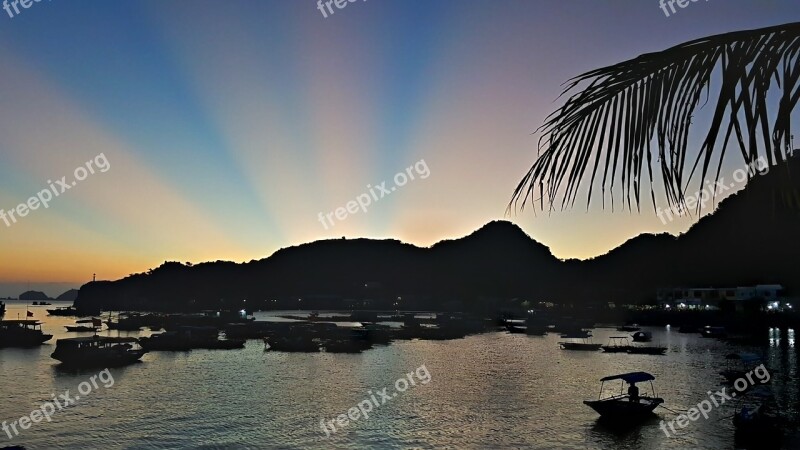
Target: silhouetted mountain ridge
{"points": [[748, 240]]}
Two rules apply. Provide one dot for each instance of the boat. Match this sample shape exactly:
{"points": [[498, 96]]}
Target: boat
{"points": [[617, 344], [96, 325], [626, 407], [190, 338], [629, 327], [97, 351], [647, 350], [81, 329], [22, 333], [2, 309], [63, 311], [585, 345], [642, 336]]}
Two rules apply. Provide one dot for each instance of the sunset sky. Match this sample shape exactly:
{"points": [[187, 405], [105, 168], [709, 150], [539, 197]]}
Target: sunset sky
{"points": [[229, 126]]}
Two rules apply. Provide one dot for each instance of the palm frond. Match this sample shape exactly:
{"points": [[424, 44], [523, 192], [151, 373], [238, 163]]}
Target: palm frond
{"points": [[616, 117]]}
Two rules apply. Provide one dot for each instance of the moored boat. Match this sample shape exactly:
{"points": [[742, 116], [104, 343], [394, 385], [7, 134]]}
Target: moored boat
{"points": [[63, 311], [22, 333], [629, 327], [642, 336], [582, 345], [617, 344], [628, 407], [97, 351]]}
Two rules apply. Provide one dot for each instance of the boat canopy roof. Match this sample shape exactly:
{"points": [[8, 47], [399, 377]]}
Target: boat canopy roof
{"points": [[632, 377]]}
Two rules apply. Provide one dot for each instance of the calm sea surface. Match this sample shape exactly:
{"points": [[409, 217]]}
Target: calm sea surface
{"points": [[494, 391]]}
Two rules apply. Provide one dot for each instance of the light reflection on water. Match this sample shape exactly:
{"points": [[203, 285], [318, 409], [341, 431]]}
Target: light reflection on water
{"points": [[495, 390]]}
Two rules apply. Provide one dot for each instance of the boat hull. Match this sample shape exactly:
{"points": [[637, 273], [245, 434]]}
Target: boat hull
{"points": [[623, 409]]}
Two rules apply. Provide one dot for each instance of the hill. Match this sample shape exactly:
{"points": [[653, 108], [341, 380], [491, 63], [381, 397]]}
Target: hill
{"points": [[749, 239]]}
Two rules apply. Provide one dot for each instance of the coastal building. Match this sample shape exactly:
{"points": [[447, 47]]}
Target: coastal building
{"points": [[764, 296]]}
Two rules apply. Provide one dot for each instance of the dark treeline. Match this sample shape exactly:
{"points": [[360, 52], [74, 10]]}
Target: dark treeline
{"points": [[751, 239]]}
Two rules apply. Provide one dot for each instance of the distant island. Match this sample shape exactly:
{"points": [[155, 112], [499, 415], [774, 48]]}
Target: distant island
{"points": [[34, 296], [69, 296], [749, 240]]}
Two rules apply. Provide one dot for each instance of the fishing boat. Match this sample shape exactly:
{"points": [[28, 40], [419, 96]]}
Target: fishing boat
{"points": [[190, 338], [617, 344], [63, 311], [642, 336], [96, 324], [581, 344], [630, 406], [97, 351], [576, 334], [22, 333], [629, 327]]}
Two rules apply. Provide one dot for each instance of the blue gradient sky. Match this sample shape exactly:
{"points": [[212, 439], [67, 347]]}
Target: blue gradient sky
{"points": [[230, 125]]}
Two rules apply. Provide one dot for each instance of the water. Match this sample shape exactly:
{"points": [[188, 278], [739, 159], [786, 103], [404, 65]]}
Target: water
{"points": [[495, 390]]}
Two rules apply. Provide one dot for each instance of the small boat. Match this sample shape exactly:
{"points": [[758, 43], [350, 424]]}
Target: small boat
{"points": [[642, 336], [97, 324], [758, 425], [628, 407], [536, 330], [63, 311], [584, 345], [22, 333], [629, 327], [190, 338], [97, 351], [81, 329], [647, 350], [617, 344]]}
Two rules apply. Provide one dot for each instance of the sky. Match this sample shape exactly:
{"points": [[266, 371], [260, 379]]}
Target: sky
{"points": [[228, 130]]}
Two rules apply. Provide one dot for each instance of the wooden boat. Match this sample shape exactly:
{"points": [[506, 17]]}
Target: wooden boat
{"points": [[628, 407], [583, 345], [63, 311], [617, 344], [97, 351], [190, 338], [22, 333], [81, 329]]}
